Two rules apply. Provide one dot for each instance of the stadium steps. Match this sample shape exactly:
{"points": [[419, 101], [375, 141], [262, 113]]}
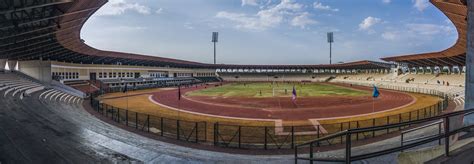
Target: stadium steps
{"points": [[50, 132], [16, 86]]}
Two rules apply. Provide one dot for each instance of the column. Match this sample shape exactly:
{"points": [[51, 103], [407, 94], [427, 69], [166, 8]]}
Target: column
{"points": [[12, 64], [3, 62], [469, 104]]}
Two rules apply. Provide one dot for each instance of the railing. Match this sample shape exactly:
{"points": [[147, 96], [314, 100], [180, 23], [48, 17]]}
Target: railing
{"points": [[401, 88], [439, 125], [310, 148], [257, 137], [166, 127]]}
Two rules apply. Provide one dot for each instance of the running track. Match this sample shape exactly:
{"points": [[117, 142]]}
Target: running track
{"points": [[388, 100]]}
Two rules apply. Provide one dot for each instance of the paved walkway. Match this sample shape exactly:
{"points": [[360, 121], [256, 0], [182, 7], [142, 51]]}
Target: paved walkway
{"points": [[32, 130]]}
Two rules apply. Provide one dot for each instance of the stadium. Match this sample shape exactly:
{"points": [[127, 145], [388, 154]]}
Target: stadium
{"points": [[64, 101]]}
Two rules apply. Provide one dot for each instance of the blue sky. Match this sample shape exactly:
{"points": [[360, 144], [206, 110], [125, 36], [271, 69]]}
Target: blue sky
{"points": [[270, 31]]}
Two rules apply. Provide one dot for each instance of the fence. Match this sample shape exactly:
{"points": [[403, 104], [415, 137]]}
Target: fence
{"points": [[452, 126], [259, 137], [403, 88]]}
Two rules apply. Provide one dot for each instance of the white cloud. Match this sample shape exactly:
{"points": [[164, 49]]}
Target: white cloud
{"points": [[128, 28], [368, 22], [420, 4], [320, 6], [429, 29], [188, 26], [302, 20], [389, 35], [119, 7], [265, 18], [249, 2], [417, 31], [159, 11], [386, 1]]}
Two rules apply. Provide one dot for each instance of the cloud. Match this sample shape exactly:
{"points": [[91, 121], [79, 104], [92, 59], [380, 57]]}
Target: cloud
{"points": [[128, 28], [302, 20], [119, 7], [159, 11], [320, 6], [249, 2], [267, 17], [429, 29], [420, 4], [417, 31], [389, 35], [368, 22], [386, 1], [188, 26]]}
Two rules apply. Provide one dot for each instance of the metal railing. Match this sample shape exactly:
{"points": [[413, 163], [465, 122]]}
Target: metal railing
{"points": [[310, 148], [256, 137], [403, 140]]}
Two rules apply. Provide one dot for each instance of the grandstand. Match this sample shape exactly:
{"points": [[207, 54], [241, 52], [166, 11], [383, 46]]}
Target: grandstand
{"points": [[68, 102]]}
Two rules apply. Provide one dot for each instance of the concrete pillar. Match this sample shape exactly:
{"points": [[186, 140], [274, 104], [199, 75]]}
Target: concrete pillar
{"points": [[469, 104], [3, 62], [12, 64], [37, 69]]}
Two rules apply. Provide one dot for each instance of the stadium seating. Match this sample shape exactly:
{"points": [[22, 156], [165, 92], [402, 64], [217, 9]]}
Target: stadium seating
{"points": [[17, 86], [36, 130], [421, 81], [82, 85], [278, 77], [208, 79]]}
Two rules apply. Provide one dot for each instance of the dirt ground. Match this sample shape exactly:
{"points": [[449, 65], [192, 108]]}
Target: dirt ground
{"points": [[283, 107]]}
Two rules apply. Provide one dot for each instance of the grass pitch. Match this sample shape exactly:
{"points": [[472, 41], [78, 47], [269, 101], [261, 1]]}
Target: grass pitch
{"points": [[264, 90]]}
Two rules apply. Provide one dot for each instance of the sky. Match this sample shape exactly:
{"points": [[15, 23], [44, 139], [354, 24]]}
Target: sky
{"points": [[270, 31]]}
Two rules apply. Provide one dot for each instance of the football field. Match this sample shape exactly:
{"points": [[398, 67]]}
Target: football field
{"points": [[265, 90]]}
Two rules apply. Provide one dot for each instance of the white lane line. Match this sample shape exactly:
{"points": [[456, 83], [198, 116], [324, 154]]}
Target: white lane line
{"points": [[316, 124], [150, 98]]}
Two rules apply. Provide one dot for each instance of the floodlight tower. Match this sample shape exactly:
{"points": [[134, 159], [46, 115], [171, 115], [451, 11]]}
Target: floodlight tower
{"points": [[330, 41], [215, 36]]}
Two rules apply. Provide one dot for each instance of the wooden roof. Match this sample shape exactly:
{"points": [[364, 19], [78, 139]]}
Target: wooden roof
{"points": [[456, 11], [50, 30]]}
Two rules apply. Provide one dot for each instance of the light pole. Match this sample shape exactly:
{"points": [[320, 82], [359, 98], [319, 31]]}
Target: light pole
{"points": [[330, 41], [215, 38]]}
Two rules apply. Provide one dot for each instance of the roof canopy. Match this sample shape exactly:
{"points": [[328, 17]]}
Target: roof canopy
{"points": [[456, 11], [352, 65], [50, 30]]}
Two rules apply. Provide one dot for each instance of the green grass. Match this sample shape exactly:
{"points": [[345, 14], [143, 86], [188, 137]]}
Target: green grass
{"points": [[253, 90]]}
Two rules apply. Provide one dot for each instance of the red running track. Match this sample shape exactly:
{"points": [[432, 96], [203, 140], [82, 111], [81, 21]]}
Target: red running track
{"points": [[312, 107]]}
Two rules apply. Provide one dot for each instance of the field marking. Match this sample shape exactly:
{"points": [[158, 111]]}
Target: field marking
{"points": [[278, 122], [327, 118], [150, 98], [366, 114], [220, 104], [316, 124], [319, 119], [280, 131]]}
